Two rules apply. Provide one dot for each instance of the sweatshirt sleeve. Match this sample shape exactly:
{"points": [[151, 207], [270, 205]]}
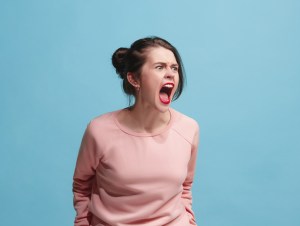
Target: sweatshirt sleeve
{"points": [[87, 162], [187, 185]]}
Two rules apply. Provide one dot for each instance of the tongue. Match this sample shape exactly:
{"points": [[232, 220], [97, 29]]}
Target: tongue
{"points": [[164, 97]]}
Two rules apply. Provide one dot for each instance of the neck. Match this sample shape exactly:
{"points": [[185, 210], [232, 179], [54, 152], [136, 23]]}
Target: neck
{"points": [[146, 119]]}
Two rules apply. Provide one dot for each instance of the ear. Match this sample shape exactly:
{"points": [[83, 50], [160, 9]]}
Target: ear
{"points": [[132, 80]]}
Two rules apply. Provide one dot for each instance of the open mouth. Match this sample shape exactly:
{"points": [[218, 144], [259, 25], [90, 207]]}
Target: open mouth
{"points": [[165, 93]]}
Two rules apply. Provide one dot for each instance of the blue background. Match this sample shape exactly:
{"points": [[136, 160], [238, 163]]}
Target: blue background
{"points": [[243, 69]]}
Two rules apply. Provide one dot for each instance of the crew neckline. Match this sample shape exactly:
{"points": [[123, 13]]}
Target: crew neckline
{"points": [[143, 134]]}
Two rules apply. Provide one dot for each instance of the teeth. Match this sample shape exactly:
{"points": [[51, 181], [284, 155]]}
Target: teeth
{"points": [[168, 85]]}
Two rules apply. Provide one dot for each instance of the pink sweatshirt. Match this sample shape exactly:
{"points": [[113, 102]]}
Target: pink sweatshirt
{"points": [[128, 178]]}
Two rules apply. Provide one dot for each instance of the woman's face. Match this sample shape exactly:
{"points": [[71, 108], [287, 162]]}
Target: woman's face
{"points": [[159, 79]]}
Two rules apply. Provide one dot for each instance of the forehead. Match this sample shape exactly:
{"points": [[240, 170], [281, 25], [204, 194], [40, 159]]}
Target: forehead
{"points": [[160, 54]]}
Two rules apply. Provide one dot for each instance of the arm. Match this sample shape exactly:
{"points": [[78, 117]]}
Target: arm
{"points": [[187, 185], [86, 165]]}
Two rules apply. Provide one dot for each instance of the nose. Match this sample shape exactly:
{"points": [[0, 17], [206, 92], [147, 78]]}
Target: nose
{"points": [[170, 74]]}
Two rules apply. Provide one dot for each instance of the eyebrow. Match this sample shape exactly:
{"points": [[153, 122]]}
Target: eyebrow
{"points": [[177, 65]]}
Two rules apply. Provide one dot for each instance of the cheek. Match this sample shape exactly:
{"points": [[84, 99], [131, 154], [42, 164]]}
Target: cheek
{"points": [[149, 87], [177, 80]]}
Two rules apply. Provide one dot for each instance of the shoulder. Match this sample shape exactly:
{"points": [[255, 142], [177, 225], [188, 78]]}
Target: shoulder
{"points": [[102, 123], [184, 125], [184, 121]]}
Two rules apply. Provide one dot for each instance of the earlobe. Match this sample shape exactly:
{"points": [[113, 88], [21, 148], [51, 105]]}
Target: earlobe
{"points": [[132, 80]]}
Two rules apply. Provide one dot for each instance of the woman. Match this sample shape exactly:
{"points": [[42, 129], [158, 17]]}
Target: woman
{"points": [[136, 165]]}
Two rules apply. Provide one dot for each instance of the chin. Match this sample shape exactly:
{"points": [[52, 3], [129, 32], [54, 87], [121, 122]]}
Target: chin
{"points": [[162, 107]]}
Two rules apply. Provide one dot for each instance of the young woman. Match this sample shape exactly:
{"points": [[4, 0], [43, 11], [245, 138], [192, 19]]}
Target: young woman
{"points": [[136, 165]]}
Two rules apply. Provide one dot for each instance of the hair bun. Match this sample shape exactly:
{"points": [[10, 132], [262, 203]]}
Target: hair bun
{"points": [[119, 61]]}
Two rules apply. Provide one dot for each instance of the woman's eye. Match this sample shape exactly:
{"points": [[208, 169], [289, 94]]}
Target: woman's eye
{"points": [[175, 68]]}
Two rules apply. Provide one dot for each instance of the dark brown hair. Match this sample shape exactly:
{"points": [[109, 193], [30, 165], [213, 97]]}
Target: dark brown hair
{"points": [[132, 59]]}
